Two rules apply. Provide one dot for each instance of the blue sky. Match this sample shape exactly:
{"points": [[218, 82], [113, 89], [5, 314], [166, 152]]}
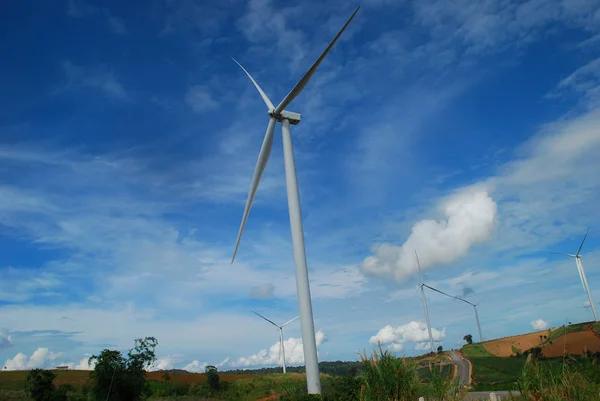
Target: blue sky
{"points": [[128, 137]]}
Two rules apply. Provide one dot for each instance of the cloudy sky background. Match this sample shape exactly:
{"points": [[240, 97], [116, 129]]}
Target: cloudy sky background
{"points": [[468, 131]]}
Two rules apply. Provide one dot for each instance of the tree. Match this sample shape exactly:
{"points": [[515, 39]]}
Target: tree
{"points": [[440, 349], [120, 378], [212, 377], [468, 338], [40, 386]]}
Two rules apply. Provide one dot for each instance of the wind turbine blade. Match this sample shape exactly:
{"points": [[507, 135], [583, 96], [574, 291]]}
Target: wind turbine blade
{"points": [[261, 164], [448, 295], [563, 254], [262, 93], [419, 266], [302, 83], [270, 321], [581, 246], [290, 321]]}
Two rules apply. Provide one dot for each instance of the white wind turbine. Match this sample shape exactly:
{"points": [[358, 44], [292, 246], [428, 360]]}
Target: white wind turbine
{"points": [[584, 282], [421, 287], [281, 347], [463, 300], [286, 118]]}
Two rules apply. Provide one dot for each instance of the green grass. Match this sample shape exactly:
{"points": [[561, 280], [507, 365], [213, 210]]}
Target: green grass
{"points": [[494, 373], [596, 328], [475, 350]]}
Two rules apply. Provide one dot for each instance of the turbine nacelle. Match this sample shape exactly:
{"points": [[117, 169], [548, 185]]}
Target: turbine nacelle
{"points": [[293, 118]]}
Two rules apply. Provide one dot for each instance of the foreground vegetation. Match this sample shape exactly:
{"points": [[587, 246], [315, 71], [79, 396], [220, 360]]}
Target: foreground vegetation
{"points": [[379, 377]]}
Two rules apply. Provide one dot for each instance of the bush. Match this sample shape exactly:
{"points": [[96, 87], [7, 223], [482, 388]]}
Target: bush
{"points": [[40, 386]]}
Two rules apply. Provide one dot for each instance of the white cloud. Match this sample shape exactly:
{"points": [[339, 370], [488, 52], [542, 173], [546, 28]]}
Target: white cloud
{"points": [[294, 353], [539, 324], [416, 332], [41, 358], [198, 97], [263, 291], [470, 215], [195, 366]]}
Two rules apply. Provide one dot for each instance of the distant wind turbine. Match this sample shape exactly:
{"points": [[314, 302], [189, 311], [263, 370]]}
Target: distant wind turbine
{"points": [[278, 114], [463, 300], [281, 347], [584, 281], [421, 287]]}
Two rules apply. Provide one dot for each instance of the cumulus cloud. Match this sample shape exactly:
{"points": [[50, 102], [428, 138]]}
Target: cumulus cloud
{"points": [[586, 304], [294, 353], [263, 291], [394, 338], [470, 216], [198, 367], [84, 364], [41, 358], [195, 366], [539, 324]]}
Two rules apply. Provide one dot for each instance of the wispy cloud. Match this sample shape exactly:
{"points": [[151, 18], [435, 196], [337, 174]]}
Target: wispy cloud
{"points": [[199, 98], [96, 78], [81, 9]]}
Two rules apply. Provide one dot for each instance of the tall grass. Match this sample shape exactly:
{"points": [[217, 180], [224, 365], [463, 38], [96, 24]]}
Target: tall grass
{"points": [[387, 378], [573, 380]]}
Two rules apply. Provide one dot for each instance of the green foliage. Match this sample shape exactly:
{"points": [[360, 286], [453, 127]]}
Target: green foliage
{"points": [[212, 378], [440, 349], [572, 380], [468, 338], [120, 378], [166, 376], [40, 386], [386, 377]]}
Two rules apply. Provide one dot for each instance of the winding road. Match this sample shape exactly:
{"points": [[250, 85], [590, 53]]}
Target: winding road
{"points": [[464, 369]]}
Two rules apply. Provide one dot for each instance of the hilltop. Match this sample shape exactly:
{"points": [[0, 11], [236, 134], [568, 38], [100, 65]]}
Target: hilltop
{"points": [[574, 339]]}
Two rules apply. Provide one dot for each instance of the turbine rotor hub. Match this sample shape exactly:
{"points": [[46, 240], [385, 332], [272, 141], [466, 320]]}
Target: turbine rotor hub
{"points": [[293, 118]]}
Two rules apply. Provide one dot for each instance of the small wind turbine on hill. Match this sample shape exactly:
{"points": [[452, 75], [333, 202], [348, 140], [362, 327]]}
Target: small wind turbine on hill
{"points": [[584, 282], [421, 287], [281, 347], [278, 114]]}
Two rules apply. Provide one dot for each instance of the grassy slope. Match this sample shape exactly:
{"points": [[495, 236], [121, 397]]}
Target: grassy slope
{"points": [[475, 350]]}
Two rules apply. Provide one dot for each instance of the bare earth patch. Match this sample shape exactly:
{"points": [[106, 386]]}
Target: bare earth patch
{"points": [[503, 347], [573, 343]]}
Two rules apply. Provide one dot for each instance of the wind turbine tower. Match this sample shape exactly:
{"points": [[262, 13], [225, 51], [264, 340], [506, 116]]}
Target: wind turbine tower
{"points": [[421, 287], [582, 276], [285, 117], [281, 347]]}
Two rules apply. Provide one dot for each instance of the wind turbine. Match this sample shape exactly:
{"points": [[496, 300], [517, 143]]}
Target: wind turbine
{"points": [[280, 327], [584, 282], [279, 114], [463, 300], [476, 316], [421, 287]]}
